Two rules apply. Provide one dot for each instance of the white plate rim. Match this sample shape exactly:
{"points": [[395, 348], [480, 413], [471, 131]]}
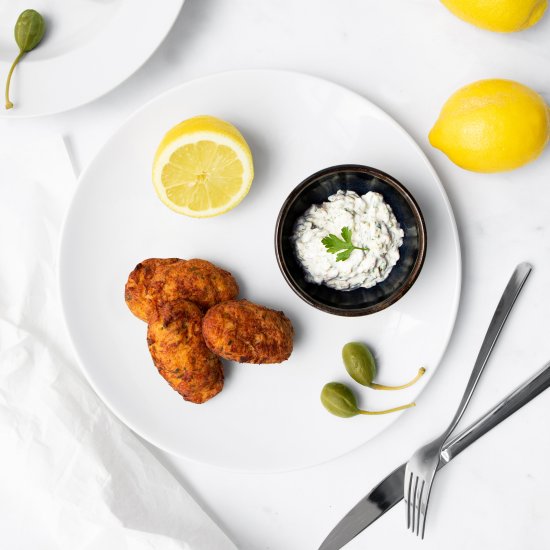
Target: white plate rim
{"points": [[235, 73], [166, 19]]}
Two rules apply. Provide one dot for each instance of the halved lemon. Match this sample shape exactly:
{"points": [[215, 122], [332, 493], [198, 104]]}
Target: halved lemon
{"points": [[203, 167]]}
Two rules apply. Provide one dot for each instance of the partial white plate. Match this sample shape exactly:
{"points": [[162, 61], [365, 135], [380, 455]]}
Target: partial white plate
{"points": [[267, 418], [89, 48]]}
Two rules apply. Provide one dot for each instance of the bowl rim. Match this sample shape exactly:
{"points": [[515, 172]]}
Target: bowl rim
{"points": [[422, 240]]}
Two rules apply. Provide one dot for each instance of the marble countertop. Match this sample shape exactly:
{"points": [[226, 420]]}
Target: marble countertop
{"points": [[407, 56]]}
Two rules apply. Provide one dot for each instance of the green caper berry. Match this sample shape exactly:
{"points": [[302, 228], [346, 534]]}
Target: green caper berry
{"points": [[29, 31], [359, 362], [339, 400]]}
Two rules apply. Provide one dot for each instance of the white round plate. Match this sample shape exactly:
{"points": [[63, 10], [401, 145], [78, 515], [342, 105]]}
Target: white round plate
{"points": [[89, 48], [268, 417]]}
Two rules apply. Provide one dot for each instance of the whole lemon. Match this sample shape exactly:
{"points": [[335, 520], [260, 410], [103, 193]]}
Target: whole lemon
{"points": [[498, 15], [492, 126]]}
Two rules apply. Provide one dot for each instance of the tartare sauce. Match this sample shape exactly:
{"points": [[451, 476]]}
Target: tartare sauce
{"points": [[373, 226]]}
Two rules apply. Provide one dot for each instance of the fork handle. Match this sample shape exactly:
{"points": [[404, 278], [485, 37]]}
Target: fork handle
{"points": [[508, 406], [511, 292]]}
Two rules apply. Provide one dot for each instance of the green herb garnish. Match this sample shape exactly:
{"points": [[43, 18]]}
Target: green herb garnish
{"points": [[29, 30], [343, 247]]}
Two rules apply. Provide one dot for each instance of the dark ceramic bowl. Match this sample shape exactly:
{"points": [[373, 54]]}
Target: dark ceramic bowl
{"points": [[316, 189]]}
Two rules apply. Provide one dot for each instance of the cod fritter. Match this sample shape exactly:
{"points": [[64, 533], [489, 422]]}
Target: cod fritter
{"points": [[242, 331], [145, 284], [175, 340], [159, 281]]}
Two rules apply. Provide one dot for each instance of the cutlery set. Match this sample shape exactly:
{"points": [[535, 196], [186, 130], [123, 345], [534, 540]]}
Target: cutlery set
{"points": [[413, 481]]}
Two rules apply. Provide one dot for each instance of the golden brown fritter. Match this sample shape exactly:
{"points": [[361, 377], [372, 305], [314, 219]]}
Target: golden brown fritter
{"points": [[178, 350], [242, 331], [145, 284], [159, 281], [202, 283]]}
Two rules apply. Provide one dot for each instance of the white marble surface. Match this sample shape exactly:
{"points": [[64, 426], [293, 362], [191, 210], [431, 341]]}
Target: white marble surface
{"points": [[407, 56]]}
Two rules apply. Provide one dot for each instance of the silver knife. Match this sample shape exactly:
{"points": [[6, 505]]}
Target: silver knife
{"points": [[390, 491]]}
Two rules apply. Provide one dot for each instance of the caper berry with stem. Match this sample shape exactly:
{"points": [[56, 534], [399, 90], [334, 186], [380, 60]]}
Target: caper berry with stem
{"points": [[361, 366], [28, 32], [339, 400]]}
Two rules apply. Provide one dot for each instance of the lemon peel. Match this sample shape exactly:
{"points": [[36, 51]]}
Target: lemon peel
{"points": [[498, 15], [492, 125]]}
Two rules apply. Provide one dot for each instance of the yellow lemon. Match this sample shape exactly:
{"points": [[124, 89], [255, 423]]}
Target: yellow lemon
{"points": [[498, 15], [492, 126], [203, 167]]}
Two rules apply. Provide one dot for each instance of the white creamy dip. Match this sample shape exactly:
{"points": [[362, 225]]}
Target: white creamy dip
{"points": [[373, 226]]}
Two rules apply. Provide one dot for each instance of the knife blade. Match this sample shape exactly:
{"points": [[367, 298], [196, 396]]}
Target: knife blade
{"points": [[390, 490]]}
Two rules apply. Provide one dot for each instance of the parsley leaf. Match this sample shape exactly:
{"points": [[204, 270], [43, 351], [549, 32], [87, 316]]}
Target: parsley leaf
{"points": [[333, 244], [344, 255], [342, 247], [346, 234]]}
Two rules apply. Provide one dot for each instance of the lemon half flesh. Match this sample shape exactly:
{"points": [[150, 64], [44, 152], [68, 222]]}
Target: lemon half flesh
{"points": [[203, 167]]}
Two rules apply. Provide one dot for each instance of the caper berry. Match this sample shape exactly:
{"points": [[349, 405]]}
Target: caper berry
{"points": [[28, 32], [361, 366], [339, 400], [359, 362]]}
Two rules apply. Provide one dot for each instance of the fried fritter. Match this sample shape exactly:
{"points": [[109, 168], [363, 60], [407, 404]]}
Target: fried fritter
{"points": [[202, 283], [242, 331], [178, 350], [159, 281], [145, 284]]}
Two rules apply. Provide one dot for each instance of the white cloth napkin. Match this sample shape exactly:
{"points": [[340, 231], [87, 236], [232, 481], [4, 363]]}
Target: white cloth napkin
{"points": [[71, 475]]}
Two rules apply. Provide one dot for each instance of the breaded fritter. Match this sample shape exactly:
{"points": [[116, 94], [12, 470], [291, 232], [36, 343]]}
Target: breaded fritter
{"points": [[159, 281], [242, 331], [180, 354], [145, 284], [203, 283]]}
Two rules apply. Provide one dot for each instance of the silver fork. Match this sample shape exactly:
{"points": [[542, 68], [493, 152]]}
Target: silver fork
{"points": [[424, 463]]}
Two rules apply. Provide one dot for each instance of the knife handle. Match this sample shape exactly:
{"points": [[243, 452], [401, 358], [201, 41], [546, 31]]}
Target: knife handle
{"points": [[505, 305], [509, 405]]}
